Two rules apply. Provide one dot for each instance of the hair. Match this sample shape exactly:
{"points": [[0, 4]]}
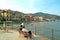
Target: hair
{"points": [[30, 32], [20, 28], [20, 25]]}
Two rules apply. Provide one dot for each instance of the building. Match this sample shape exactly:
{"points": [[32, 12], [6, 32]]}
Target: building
{"points": [[28, 17], [37, 18], [41, 19]]}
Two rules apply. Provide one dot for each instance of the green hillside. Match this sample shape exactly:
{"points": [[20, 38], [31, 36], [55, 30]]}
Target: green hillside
{"points": [[46, 15]]}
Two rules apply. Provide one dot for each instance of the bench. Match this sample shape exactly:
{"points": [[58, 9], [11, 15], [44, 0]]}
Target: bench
{"points": [[26, 34]]}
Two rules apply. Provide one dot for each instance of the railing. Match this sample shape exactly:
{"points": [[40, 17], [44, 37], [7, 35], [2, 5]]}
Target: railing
{"points": [[50, 33]]}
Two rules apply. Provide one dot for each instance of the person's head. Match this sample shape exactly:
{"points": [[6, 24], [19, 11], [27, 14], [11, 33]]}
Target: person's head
{"points": [[20, 25]]}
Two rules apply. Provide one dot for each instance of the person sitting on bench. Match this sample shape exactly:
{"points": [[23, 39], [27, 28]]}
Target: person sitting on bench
{"points": [[27, 33]]}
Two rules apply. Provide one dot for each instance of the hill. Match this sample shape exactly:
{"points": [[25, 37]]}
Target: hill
{"points": [[40, 14], [46, 15]]}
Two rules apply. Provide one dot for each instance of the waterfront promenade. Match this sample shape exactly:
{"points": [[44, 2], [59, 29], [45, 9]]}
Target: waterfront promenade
{"points": [[11, 35], [14, 35]]}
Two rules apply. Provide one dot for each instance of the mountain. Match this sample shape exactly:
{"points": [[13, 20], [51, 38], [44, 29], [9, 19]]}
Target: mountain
{"points": [[46, 15]]}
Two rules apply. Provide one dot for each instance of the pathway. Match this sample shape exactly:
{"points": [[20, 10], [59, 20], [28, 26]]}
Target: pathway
{"points": [[11, 35]]}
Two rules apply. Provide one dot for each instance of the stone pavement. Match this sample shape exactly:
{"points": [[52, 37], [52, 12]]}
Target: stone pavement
{"points": [[14, 35], [11, 35]]}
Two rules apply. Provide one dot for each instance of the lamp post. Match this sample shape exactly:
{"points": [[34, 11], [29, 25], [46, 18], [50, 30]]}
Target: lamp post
{"points": [[35, 26], [35, 29], [4, 15]]}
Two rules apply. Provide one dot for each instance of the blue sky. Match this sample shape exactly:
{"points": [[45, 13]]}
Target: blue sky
{"points": [[32, 6]]}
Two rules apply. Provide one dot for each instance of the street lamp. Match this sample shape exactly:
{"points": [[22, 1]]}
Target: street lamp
{"points": [[4, 15], [35, 26]]}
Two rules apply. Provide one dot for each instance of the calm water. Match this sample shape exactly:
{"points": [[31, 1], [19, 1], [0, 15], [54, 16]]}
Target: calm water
{"points": [[45, 29]]}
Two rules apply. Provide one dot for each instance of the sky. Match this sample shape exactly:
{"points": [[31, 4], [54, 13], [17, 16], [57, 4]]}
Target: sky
{"points": [[32, 6]]}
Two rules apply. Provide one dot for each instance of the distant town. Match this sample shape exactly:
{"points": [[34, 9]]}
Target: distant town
{"points": [[19, 16]]}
